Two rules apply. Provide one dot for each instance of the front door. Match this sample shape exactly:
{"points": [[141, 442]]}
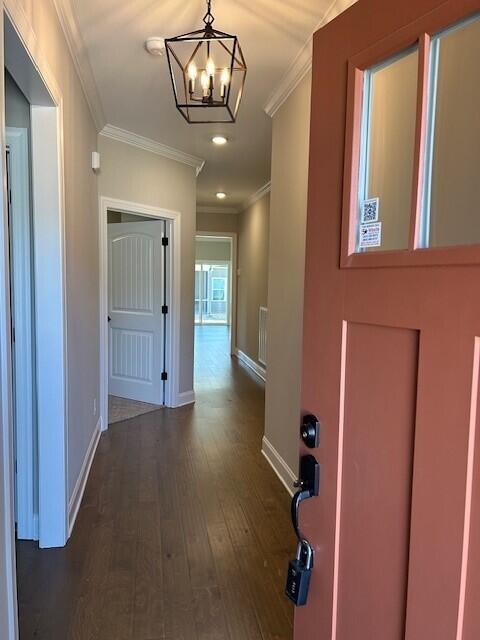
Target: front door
{"points": [[392, 324], [136, 309]]}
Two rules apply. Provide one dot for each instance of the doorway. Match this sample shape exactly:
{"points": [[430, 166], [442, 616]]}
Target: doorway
{"points": [[215, 286], [139, 309], [137, 314], [32, 335]]}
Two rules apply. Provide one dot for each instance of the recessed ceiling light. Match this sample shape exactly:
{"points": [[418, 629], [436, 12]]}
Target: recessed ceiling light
{"points": [[221, 195], [219, 140]]}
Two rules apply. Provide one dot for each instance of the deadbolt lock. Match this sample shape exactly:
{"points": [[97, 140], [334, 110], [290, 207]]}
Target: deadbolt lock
{"points": [[310, 431]]}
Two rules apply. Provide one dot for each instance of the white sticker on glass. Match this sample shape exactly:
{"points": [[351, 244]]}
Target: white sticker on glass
{"points": [[370, 235], [370, 210]]}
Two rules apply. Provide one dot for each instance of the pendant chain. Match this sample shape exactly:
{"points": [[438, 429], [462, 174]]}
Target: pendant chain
{"points": [[208, 19]]}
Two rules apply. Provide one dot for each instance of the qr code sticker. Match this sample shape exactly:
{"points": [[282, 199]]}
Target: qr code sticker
{"points": [[370, 210]]}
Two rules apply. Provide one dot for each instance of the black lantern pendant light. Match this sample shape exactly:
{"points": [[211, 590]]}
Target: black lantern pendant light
{"points": [[208, 73]]}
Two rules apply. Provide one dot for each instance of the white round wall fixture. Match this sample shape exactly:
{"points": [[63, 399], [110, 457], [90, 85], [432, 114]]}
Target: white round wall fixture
{"points": [[221, 195], [155, 46]]}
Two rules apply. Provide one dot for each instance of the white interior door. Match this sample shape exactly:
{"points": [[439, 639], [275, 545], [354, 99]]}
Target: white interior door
{"points": [[23, 344], [136, 290]]}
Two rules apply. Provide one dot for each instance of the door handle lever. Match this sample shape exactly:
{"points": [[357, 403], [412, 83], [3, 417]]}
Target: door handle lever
{"points": [[308, 485], [297, 499]]}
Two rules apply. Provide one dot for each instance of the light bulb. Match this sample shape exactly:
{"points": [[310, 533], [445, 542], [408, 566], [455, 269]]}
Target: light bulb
{"points": [[192, 75], [210, 68], [192, 71], [224, 80], [205, 81], [225, 77]]}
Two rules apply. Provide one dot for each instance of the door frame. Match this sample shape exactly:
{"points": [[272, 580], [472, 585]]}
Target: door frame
{"points": [[23, 311], [172, 342], [23, 57], [233, 237]]}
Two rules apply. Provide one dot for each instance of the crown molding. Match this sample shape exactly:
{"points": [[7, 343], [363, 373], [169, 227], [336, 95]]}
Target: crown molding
{"points": [[303, 61], [221, 210], [147, 144], [255, 197], [290, 81], [78, 51]]}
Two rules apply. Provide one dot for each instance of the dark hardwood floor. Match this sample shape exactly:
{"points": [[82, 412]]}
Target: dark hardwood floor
{"points": [[184, 529]]}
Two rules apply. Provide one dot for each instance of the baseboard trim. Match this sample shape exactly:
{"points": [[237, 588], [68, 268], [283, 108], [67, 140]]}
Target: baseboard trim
{"points": [[278, 464], [187, 397], [254, 366], [77, 495]]}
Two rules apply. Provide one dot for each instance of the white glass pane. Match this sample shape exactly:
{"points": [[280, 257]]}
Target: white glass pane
{"points": [[388, 135], [211, 305], [452, 198]]}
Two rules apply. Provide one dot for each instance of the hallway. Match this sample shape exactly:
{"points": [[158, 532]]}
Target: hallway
{"points": [[184, 530]]}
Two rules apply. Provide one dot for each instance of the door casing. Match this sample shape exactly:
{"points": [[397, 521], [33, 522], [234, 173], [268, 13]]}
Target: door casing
{"points": [[172, 349]]}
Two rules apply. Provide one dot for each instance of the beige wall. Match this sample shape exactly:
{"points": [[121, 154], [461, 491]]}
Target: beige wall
{"points": [[214, 222], [288, 212], [135, 175], [252, 282]]}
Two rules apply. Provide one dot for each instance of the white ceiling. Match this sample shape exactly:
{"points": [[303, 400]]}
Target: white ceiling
{"points": [[135, 91]]}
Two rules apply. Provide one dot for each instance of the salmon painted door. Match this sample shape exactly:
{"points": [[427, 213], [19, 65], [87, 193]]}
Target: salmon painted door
{"points": [[392, 323]]}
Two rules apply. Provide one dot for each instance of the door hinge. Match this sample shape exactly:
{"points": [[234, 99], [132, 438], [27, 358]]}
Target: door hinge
{"points": [[165, 309], [165, 242], [164, 376]]}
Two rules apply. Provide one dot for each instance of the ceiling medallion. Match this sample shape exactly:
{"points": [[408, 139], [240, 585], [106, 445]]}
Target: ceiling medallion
{"points": [[208, 73]]}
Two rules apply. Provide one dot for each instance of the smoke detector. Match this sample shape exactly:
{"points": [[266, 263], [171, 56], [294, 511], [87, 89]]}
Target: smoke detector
{"points": [[155, 46]]}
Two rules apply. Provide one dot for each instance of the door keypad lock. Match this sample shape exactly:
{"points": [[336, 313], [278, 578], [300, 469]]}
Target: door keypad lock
{"points": [[299, 574]]}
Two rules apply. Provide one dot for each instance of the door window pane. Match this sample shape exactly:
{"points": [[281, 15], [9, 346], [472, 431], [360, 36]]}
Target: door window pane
{"points": [[212, 293], [387, 157], [451, 212], [219, 286]]}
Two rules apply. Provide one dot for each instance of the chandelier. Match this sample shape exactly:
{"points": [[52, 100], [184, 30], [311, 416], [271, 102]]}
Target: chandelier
{"points": [[208, 73]]}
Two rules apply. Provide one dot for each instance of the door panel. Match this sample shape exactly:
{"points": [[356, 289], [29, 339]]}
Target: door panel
{"points": [[380, 393], [471, 626], [390, 367], [136, 294], [132, 272]]}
